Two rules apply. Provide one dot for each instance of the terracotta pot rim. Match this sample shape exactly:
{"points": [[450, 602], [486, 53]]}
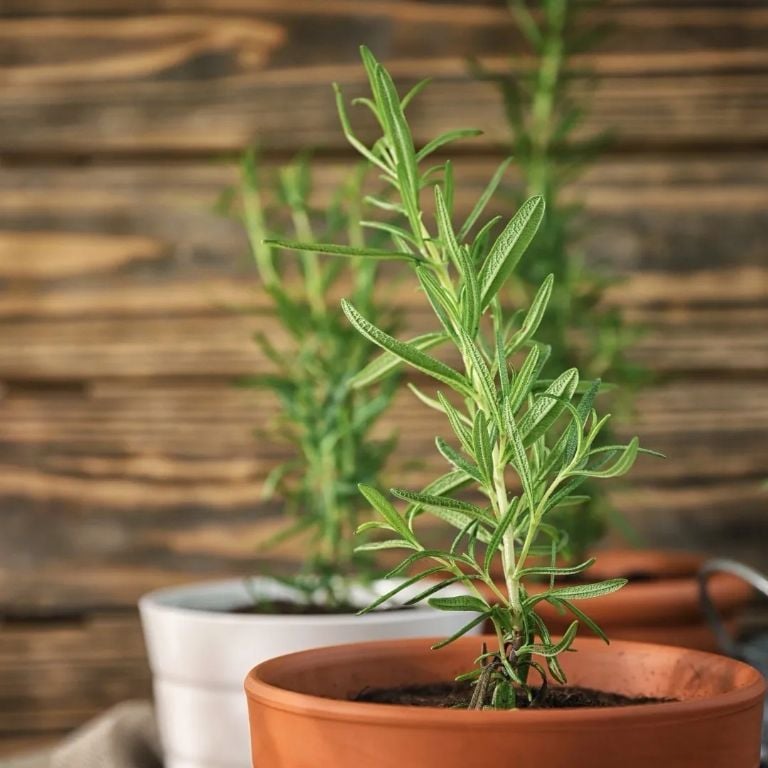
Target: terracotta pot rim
{"points": [[322, 708], [683, 559], [735, 588], [672, 597], [726, 586], [644, 602]]}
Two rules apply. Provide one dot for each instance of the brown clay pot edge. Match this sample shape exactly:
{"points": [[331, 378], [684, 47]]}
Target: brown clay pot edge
{"points": [[294, 725], [258, 687]]}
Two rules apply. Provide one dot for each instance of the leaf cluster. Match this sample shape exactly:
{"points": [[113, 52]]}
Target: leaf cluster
{"points": [[324, 421]]}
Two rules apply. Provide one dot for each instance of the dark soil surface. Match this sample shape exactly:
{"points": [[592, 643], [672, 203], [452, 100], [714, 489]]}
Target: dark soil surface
{"points": [[457, 695], [289, 608]]}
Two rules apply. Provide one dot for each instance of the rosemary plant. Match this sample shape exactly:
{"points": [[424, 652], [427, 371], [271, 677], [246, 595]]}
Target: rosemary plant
{"points": [[545, 105], [324, 421], [521, 445]]}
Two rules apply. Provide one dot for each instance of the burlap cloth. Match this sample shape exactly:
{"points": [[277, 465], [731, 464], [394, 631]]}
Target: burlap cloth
{"points": [[123, 737]]}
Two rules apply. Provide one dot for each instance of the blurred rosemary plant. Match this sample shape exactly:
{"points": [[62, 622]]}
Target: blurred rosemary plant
{"points": [[546, 101], [325, 422], [521, 445]]}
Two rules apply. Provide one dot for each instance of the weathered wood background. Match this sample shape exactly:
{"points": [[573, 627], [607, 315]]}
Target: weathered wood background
{"points": [[126, 457]]}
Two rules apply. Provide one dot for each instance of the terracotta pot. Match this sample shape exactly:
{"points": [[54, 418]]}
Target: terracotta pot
{"points": [[300, 716], [661, 602], [199, 652]]}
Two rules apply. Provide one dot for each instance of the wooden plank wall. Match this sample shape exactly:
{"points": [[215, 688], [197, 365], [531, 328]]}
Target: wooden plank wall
{"points": [[126, 457]]}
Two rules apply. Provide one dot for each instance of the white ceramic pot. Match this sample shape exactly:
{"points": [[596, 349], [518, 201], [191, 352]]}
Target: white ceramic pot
{"points": [[200, 655]]}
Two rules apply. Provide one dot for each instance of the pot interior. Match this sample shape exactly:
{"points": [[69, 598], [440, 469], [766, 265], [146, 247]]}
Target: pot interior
{"points": [[231, 594], [633, 669]]}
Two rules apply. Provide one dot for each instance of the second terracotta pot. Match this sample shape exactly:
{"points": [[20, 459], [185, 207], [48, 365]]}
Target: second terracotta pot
{"points": [[661, 602], [301, 716]]}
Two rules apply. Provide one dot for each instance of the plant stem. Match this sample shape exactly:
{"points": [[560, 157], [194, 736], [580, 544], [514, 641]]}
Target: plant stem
{"points": [[534, 520], [508, 541], [313, 280], [542, 109]]}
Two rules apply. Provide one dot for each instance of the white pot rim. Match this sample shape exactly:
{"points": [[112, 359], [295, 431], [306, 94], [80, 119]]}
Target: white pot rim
{"points": [[175, 600]]}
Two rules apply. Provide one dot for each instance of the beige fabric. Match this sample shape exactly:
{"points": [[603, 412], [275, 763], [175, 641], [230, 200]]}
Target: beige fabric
{"points": [[123, 737], [38, 760]]}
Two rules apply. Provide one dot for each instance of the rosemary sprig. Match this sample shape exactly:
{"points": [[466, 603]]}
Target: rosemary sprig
{"points": [[523, 445], [325, 422]]}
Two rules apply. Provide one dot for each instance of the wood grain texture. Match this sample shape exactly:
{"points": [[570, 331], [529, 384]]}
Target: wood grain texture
{"points": [[25, 8], [74, 350], [14, 745], [142, 485], [214, 81], [73, 669], [143, 240], [127, 458]]}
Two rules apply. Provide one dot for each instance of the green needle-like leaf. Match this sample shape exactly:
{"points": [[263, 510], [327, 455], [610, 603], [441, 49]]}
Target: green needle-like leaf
{"points": [[547, 570], [580, 591], [583, 618], [534, 315], [442, 302], [470, 625], [551, 650], [388, 512], [482, 201], [461, 603], [384, 364], [482, 449], [519, 456], [402, 144], [344, 250], [435, 587], [446, 138], [374, 546], [509, 247], [459, 461], [414, 92], [622, 465], [548, 406], [349, 135], [482, 375], [458, 422], [445, 228], [406, 352], [399, 588], [525, 379], [447, 483], [443, 502]]}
